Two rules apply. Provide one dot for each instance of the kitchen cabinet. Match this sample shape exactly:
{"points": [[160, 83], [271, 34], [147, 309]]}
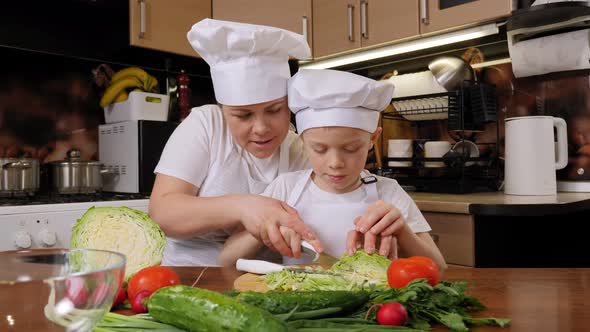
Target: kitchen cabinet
{"points": [[437, 15], [346, 25], [292, 15], [162, 25], [453, 234], [492, 229]]}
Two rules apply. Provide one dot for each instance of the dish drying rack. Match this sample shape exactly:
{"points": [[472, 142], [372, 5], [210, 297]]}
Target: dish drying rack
{"points": [[467, 109]]}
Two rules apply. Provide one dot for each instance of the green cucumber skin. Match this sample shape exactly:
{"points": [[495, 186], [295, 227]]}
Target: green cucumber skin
{"points": [[284, 302], [200, 310]]}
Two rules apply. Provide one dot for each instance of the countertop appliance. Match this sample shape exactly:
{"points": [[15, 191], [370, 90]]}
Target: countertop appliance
{"points": [[131, 150], [535, 147], [46, 220]]}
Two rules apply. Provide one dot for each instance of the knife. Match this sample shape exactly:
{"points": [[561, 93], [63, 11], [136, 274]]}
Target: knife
{"points": [[321, 258], [264, 267]]}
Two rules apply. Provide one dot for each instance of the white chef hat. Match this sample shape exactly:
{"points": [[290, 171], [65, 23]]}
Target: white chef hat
{"points": [[249, 63], [331, 98]]}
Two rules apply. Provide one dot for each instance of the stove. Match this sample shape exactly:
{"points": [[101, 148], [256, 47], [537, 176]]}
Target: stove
{"points": [[46, 220], [55, 198]]}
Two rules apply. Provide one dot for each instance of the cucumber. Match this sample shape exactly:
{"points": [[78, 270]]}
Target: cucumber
{"points": [[283, 302], [200, 310]]}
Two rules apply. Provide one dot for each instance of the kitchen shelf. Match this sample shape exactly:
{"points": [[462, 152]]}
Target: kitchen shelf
{"points": [[467, 109]]}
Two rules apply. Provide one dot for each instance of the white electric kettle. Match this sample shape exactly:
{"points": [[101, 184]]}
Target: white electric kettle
{"points": [[531, 152]]}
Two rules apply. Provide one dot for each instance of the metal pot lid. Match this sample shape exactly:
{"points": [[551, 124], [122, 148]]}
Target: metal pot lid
{"points": [[73, 159], [76, 163], [12, 159]]}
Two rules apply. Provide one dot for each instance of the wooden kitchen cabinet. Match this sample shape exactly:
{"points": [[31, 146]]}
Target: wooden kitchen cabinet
{"points": [[346, 25], [389, 21], [162, 24], [453, 233], [292, 15], [437, 15], [336, 26]]}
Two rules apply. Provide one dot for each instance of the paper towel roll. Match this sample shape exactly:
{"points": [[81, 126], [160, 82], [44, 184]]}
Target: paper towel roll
{"points": [[555, 53], [414, 84]]}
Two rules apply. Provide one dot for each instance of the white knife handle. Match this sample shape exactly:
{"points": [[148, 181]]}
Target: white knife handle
{"points": [[257, 266]]}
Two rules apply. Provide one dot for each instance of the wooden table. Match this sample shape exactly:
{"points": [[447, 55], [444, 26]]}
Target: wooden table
{"points": [[535, 299]]}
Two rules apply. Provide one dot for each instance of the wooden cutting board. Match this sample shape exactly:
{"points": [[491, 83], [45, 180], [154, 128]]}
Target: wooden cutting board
{"points": [[250, 282]]}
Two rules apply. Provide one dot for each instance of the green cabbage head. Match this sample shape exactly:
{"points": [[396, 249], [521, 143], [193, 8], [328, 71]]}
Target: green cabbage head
{"points": [[121, 229]]}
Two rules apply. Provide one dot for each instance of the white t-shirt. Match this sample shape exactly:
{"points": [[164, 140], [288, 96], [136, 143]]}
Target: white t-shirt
{"points": [[388, 190], [202, 151]]}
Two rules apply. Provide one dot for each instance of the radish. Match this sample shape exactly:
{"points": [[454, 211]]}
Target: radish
{"points": [[391, 313], [76, 291], [121, 296], [138, 302], [100, 293]]}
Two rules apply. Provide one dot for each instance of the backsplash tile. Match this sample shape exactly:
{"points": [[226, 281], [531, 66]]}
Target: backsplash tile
{"points": [[49, 104]]}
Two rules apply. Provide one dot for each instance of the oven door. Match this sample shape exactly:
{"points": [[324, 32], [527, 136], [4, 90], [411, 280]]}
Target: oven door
{"points": [[48, 225]]}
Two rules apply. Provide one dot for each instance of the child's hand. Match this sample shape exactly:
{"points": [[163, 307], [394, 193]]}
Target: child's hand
{"points": [[380, 218], [293, 239], [380, 224], [387, 244]]}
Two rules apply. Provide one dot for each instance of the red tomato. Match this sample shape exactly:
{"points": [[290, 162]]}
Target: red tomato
{"points": [[401, 271], [151, 279]]}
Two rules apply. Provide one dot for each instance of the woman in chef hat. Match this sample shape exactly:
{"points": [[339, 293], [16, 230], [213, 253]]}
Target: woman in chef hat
{"points": [[221, 156], [337, 116]]}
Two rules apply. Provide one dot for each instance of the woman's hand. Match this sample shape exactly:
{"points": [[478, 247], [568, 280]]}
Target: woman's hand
{"points": [[263, 216], [379, 227], [292, 238]]}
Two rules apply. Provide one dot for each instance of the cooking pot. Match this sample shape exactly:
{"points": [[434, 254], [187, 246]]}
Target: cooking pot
{"points": [[20, 176], [73, 175]]}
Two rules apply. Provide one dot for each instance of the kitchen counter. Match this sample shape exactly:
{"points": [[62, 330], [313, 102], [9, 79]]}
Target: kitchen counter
{"points": [[499, 204], [491, 229], [535, 299]]}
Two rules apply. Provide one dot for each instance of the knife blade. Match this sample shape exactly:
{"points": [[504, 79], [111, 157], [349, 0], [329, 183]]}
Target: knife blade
{"points": [[263, 267], [321, 258]]}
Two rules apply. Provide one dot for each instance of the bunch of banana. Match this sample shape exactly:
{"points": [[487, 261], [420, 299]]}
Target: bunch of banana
{"points": [[126, 79]]}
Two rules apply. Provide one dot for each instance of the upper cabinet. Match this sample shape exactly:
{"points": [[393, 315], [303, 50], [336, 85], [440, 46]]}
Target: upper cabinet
{"points": [[436, 15], [162, 24], [339, 26], [345, 25], [336, 25], [292, 15], [384, 21]]}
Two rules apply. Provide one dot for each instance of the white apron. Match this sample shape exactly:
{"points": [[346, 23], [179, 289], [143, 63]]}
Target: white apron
{"points": [[233, 176], [331, 222]]}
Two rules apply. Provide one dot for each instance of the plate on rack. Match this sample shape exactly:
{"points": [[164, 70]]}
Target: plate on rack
{"points": [[435, 108]]}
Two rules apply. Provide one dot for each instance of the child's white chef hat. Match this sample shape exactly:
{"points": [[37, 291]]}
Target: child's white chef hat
{"points": [[331, 98], [249, 63]]}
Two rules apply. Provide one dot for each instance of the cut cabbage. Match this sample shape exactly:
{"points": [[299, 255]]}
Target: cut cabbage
{"points": [[121, 229], [360, 271]]}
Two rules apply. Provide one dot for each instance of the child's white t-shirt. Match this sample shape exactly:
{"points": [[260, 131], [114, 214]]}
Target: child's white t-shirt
{"points": [[388, 190]]}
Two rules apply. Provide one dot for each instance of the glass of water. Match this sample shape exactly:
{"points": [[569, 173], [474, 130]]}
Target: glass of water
{"points": [[57, 289]]}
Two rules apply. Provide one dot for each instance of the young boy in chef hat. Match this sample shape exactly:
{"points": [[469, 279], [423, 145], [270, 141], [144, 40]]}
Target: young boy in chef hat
{"points": [[337, 116]]}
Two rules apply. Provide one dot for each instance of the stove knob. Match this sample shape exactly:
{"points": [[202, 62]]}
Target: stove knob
{"points": [[47, 238], [22, 240]]}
